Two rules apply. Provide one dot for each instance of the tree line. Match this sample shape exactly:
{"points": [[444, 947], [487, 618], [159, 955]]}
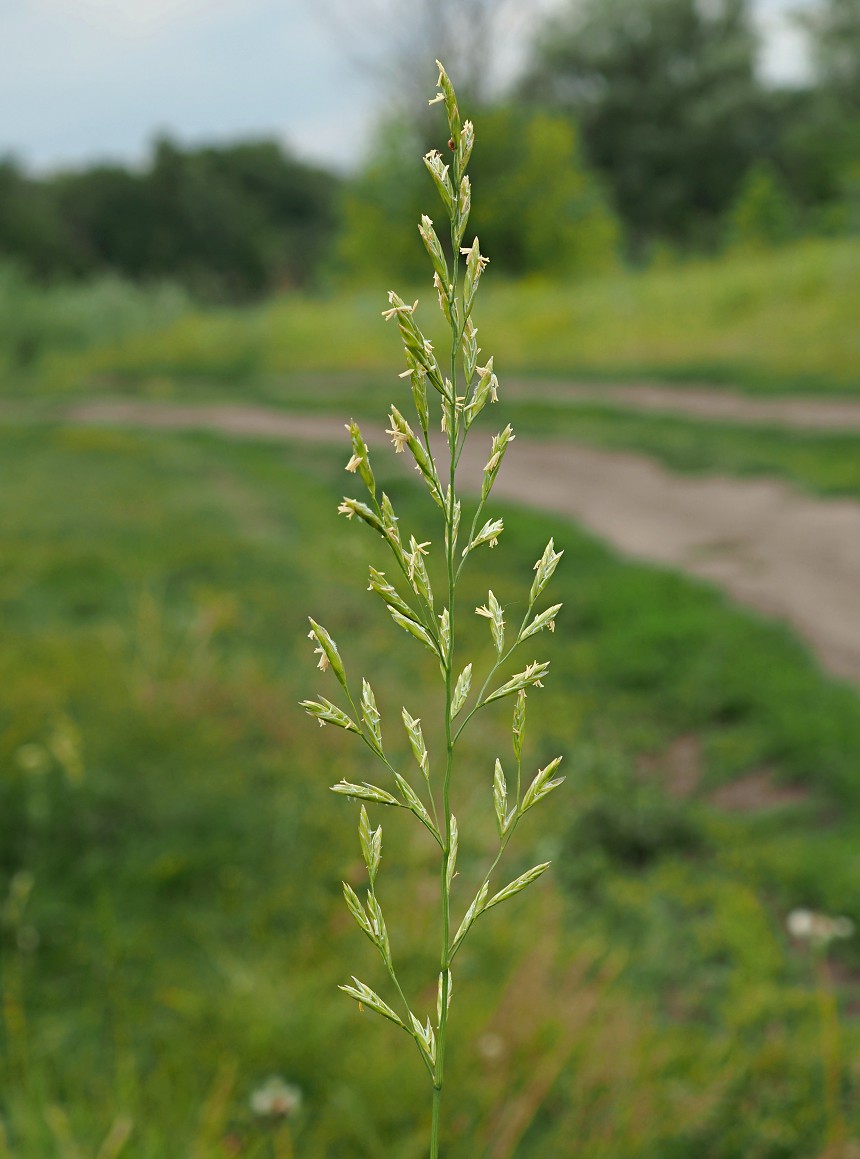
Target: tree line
{"points": [[230, 223], [636, 126]]}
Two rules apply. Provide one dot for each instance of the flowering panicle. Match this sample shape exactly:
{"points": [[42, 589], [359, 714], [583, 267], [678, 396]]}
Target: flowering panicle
{"points": [[432, 618]]}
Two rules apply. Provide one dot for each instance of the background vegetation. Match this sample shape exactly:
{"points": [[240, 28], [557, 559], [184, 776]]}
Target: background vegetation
{"points": [[633, 129], [172, 855], [171, 921]]}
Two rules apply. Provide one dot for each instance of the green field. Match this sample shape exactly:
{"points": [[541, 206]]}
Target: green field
{"points": [[171, 923], [780, 322], [171, 857]]}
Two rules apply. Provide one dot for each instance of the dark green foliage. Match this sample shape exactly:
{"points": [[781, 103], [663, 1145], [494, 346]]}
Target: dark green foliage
{"points": [[834, 29], [669, 103], [762, 215], [230, 222], [622, 824], [542, 211]]}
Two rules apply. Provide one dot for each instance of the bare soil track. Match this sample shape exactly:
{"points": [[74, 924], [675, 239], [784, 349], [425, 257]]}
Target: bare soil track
{"points": [[700, 403], [784, 553]]}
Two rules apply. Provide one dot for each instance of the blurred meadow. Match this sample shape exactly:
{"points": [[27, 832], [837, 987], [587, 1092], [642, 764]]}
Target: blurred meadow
{"points": [[172, 930]]}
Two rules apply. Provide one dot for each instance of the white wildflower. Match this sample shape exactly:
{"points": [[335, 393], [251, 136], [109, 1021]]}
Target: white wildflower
{"points": [[276, 1099], [808, 926]]}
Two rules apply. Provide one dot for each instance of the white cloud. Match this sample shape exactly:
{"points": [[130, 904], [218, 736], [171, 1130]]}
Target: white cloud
{"points": [[95, 78]]}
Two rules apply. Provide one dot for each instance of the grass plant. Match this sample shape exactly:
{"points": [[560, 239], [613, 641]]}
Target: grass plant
{"points": [[435, 623], [171, 915]]}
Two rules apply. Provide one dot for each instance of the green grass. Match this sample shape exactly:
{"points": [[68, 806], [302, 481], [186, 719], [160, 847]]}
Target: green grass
{"points": [[40, 325], [184, 932], [780, 322]]}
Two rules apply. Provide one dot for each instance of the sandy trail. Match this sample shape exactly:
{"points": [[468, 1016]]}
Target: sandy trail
{"points": [[712, 405], [781, 552]]}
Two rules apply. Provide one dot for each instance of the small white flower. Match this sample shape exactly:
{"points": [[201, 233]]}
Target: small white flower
{"points": [[491, 1047], [805, 925], [276, 1099], [353, 464], [346, 509]]}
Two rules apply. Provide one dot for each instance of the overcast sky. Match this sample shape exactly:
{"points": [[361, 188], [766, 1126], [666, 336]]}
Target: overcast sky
{"points": [[82, 80]]}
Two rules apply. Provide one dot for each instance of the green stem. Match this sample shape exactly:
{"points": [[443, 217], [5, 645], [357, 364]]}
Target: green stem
{"points": [[502, 847], [434, 1122], [444, 963], [830, 1052]]}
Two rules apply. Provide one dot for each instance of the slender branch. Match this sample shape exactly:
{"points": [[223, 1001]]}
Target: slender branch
{"points": [[434, 833], [500, 663], [453, 435]]}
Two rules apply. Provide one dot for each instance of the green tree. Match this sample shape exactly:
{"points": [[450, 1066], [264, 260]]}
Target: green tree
{"points": [[671, 110], [762, 215], [833, 27], [33, 233], [230, 222], [544, 214], [382, 205], [830, 136]]}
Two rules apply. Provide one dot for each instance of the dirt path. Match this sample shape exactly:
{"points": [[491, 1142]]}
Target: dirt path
{"points": [[786, 554], [710, 404]]}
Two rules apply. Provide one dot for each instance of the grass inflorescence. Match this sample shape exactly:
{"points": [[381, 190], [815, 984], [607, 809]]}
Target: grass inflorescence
{"points": [[448, 387]]}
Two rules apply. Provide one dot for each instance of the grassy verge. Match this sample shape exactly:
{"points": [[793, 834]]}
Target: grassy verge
{"points": [[170, 857], [40, 325], [777, 322]]}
